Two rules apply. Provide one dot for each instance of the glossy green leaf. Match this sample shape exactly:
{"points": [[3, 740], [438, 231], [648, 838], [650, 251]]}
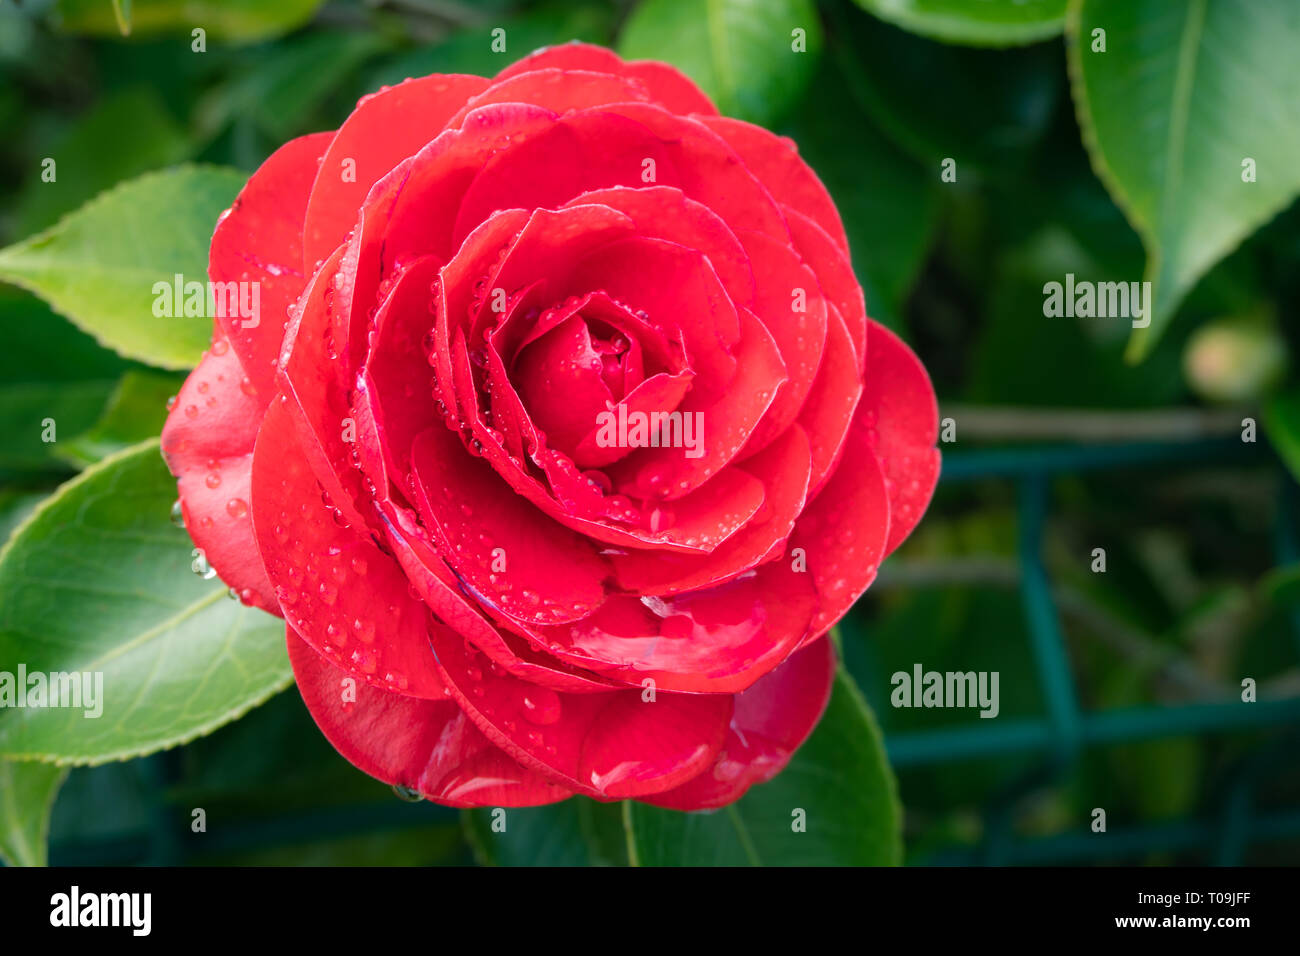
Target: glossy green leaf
{"points": [[974, 22], [840, 780], [235, 20], [576, 832], [1187, 102], [743, 53], [98, 265], [15, 506], [27, 791], [135, 411], [98, 581]]}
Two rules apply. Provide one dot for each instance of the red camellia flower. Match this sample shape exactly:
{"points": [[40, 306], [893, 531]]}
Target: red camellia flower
{"points": [[563, 437]]}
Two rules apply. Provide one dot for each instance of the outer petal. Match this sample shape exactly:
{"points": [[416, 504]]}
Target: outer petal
{"points": [[834, 273], [560, 91], [609, 746], [828, 410], [843, 532], [789, 302], [899, 417], [384, 129], [426, 745], [772, 719], [259, 239], [208, 445], [668, 86], [347, 598], [775, 161]]}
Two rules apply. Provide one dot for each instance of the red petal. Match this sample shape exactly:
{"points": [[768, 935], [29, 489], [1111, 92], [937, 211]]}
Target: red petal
{"points": [[607, 745], [395, 388], [828, 411], [429, 746], [344, 596], [835, 273], [775, 161], [439, 588], [208, 444], [414, 208], [662, 212], [842, 534], [783, 282], [507, 551], [900, 417], [259, 239], [314, 378], [721, 425], [385, 128], [582, 151], [559, 377], [708, 170], [676, 287], [716, 640], [560, 91], [566, 56], [783, 467], [667, 85], [772, 719]]}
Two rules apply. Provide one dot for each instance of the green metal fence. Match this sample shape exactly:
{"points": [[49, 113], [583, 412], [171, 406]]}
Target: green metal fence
{"points": [[1059, 736]]}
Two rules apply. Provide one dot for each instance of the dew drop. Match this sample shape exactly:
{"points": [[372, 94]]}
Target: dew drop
{"points": [[407, 794]]}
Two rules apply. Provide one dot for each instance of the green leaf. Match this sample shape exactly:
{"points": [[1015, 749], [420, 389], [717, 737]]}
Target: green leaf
{"points": [[1282, 422], [839, 777], [235, 20], [577, 832], [1183, 95], [27, 792], [986, 23], [136, 410], [99, 581], [98, 265], [15, 506], [127, 134], [741, 52]]}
